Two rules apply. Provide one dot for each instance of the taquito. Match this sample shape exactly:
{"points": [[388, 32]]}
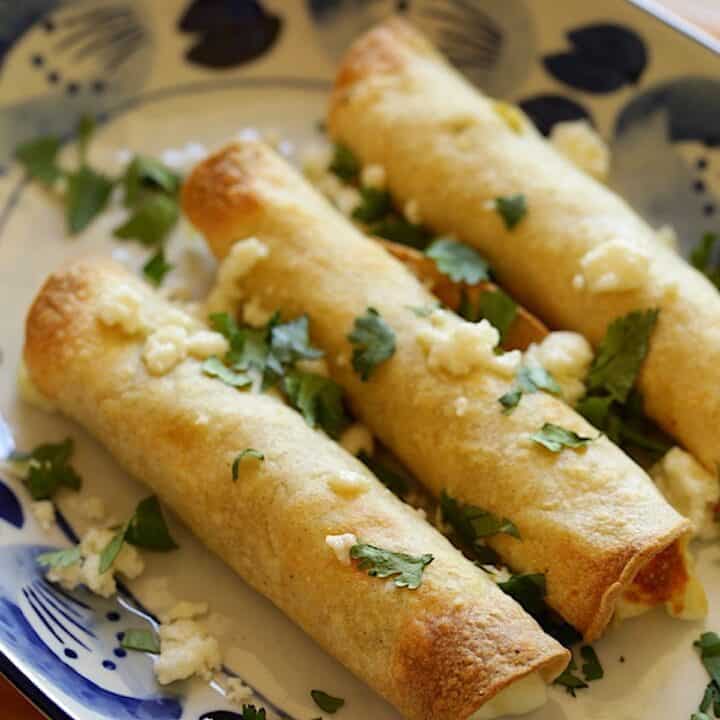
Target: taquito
{"points": [[579, 258], [589, 519], [455, 647]]}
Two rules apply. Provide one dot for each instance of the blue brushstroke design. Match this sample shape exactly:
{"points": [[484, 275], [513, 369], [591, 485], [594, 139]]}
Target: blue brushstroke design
{"points": [[10, 508], [17, 17], [548, 110], [604, 57]]}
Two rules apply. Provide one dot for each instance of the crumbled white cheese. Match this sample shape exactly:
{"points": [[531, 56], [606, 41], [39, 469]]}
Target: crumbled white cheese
{"points": [[348, 483], [121, 305], [411, 211], [340, 545], [29, 392], [373, 176], [204, 343], [690, 489], [185, 610], [227, 293], [90, 508], [356, 439], [614, 266], [185, 650], [44, 512], [165, 348], [667, 236], [579, 143], [460, 347], [255, 314], [347, 199], [315, 160], [237, 692], [461, 406], [497, 573], [185, 157], [567, 356], [87, 571]]}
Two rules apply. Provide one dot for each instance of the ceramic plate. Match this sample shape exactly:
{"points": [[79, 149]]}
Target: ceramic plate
{"points": [[176, 76]]}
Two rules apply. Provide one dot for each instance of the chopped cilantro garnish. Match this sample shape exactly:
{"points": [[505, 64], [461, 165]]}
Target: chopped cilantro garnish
{"points": [[47, 468], [530, 379], [86, 196], [247, 452], [399, 230], [458, 261], [423, 311], [290, 341], [60, 558], [156, 268], [709, 645], [141, 640], [374, 342], [389, 476], [473, 524], [146, 529], [85, 130], [621, 354], [214, 367], [570, 682], [250, 712], [406, 570], [375, 204], [318, 398], [151, 220], [512, 209], [495, 306], [39, 158], [145, 175], [344, 164], [591, 669], [325, 702], [555, 438]]}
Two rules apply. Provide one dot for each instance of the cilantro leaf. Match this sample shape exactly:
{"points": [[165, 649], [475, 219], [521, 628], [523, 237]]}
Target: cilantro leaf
{"points": [[39, 158], [147, 527], [141, 640], [60, 558], [250, 712], [458, 261], [711, 698], [512, 209], [405, 569], [325, 702], [112, 549], [48, 468], [147, 175], [530, 379], [495, 306], [592, 669], [570, 682], [344, 164], [374, 342], [374, 205], [399, 230], [318, 398], [290, 341], [156, 268], [528, 590], [555, 438], [86, 197], [247, 452], [151, 221], [214, 367], [85, 130], [473, 524], [621, 354], [423, 311], [388, 476], [709, 645]]}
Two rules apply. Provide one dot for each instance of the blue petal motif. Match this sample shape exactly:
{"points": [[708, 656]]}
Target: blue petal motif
{"points": [[10, 509], [232, 32], [221, 715], [603, 58], [547, 110]]}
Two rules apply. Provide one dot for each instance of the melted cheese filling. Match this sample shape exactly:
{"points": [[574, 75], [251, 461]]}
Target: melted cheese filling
{"points": [[523, 696]]}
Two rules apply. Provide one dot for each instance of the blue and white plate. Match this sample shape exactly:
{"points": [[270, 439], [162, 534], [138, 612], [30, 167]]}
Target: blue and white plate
{"points": [[178, 76]]}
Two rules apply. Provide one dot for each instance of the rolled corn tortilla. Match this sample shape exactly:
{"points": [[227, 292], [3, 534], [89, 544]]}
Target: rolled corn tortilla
{"points": [[588, 519], [455, 646], [580, 258]]}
